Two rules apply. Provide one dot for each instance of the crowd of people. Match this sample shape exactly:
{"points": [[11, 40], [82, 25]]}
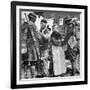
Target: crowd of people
{"points": [[48, 52]]}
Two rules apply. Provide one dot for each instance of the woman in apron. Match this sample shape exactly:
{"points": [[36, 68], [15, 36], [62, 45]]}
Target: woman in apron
{"points": [[57, 52]]}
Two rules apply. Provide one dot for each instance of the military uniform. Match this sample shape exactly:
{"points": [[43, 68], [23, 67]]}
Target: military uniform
{"points": [[32, 47]]}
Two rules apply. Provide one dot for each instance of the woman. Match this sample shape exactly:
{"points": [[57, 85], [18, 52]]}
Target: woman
{"points": [[57, 52], [44, 47]]}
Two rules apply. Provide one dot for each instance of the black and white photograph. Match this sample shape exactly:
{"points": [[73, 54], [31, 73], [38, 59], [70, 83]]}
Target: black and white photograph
{"points": [[49, 45]]}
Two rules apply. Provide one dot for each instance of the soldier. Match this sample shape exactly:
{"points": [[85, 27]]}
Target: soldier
{"points": [[70, 41], [32, 46]]}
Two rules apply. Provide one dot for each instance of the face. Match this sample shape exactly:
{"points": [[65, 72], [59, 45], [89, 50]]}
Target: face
{"points": [[56, 28], [33, 20], [42, 24], [70, 25]]}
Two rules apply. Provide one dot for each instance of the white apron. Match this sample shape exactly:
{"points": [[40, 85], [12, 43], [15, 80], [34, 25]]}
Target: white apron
{"points": [[58, 60]]}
